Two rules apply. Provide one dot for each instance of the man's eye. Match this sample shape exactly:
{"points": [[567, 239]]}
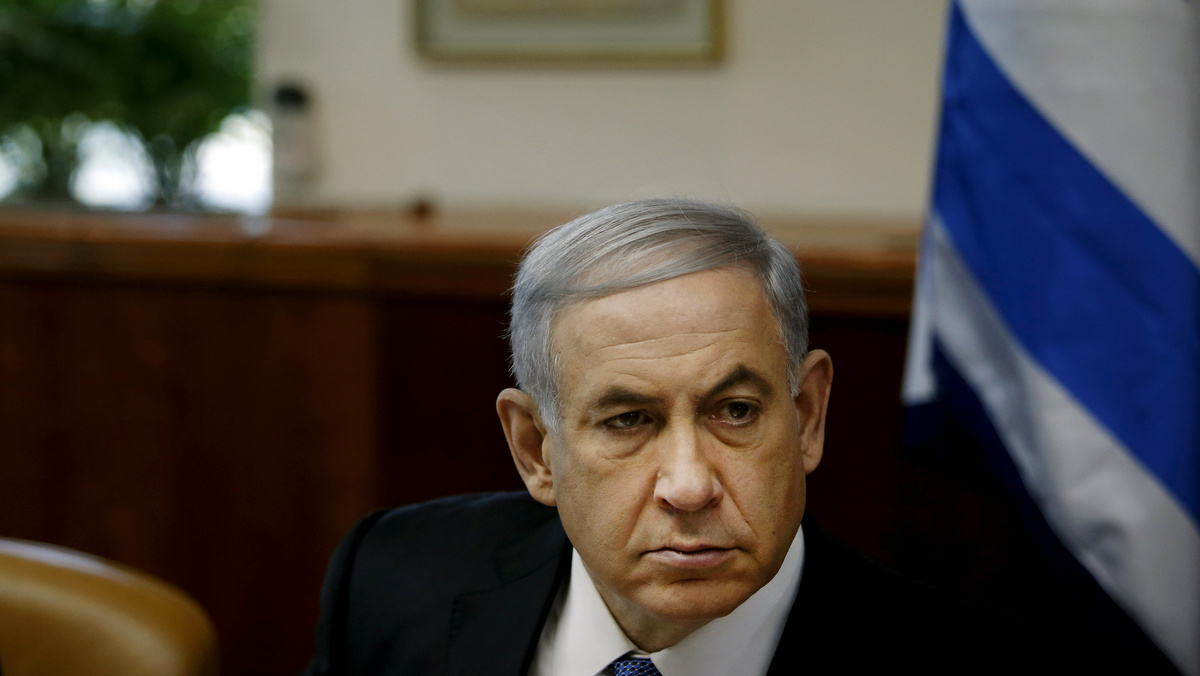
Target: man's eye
{"points": [[739, 411], [627, 420]]}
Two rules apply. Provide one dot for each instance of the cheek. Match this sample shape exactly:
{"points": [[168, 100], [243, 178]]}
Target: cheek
{"points": [[598, 504], [768, 488], [788, 484]]}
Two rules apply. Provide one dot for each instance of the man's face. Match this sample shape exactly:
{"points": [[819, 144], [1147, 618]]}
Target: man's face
{"points": [[678, 469]]}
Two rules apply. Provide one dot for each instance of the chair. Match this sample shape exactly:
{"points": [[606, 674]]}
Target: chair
{"points": [[65, 612]]}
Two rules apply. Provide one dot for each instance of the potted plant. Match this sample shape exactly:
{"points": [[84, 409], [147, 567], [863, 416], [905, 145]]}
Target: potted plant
{"points": [[168, 71]]}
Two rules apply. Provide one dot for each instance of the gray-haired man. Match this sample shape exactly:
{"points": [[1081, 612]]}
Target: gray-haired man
{"points": [[668, 414]]}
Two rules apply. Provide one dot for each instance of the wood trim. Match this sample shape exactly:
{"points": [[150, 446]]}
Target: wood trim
{"points": [[851, 266]]}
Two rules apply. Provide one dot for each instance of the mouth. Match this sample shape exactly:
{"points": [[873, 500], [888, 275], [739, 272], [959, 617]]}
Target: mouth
{"points": [[695, 556]]}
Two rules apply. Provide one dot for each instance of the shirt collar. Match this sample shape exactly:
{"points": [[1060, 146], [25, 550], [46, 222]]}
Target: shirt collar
{"points": [[581, 638]]}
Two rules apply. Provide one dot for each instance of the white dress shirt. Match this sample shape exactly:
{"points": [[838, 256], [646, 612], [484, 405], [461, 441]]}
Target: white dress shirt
{"points": [[581, 638]]}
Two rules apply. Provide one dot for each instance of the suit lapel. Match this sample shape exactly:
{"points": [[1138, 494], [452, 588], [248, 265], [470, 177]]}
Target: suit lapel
{"points": [[495, 631]]}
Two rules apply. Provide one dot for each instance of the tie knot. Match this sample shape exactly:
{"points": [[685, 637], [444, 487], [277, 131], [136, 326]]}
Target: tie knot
{"points": [[635, 666]]}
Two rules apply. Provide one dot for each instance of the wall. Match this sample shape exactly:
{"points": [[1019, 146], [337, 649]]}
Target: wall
{"points": [[820, 107]]}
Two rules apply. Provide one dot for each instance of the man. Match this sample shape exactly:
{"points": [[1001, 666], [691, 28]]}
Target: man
{"points": [[668, 414]]}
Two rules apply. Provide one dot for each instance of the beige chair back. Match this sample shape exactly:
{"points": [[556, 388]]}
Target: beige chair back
{"points": [[63, 612]]}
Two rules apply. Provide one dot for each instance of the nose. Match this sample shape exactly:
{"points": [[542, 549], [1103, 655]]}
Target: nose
{"points": [[686, 479]]}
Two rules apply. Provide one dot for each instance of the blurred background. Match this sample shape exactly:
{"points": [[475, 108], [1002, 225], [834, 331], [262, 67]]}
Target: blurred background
{"points": [[131, 105], [253, 260], [804, 108]]}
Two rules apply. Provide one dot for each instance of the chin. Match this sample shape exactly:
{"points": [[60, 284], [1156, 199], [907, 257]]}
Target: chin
{"points": [[698, 600]]}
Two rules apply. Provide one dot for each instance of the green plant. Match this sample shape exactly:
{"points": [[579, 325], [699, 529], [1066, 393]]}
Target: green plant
{"points": [[167, 70]]}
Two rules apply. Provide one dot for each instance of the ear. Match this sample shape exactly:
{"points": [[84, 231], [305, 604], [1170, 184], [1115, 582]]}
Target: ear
{"points": [[816, 379], [528, 442]]}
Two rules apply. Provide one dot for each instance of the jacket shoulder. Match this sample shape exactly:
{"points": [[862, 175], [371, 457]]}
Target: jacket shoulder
{"points": [[465, 531], [853, 615], [390, 587]]}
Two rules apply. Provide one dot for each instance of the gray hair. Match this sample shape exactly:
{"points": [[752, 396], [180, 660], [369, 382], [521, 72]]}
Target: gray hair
{"points": [[630, 245]]}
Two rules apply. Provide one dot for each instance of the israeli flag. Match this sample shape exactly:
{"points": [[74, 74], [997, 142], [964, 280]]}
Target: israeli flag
{"points": [[1059, 280]]}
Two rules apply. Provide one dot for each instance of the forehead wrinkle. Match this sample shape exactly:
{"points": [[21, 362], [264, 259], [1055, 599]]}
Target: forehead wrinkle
{"points": [[651, 342]]}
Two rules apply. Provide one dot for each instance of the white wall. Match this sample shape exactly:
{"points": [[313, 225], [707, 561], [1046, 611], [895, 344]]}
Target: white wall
{"points": [[821, 107]]}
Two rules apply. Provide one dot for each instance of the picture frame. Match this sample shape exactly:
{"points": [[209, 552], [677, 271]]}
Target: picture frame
{"points": [[571, 32]]}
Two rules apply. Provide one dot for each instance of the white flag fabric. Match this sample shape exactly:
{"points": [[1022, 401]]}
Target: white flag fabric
{"points": [[1059, 279]]}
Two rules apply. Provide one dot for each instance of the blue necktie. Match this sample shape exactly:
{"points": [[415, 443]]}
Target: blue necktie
{"points": [[635, 666]]}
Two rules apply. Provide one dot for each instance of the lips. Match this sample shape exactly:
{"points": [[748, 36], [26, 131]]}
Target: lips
{"points": [[693, 556]]}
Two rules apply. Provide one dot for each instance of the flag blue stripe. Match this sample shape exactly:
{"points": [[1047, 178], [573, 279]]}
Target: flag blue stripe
{"points": [[1092, 288]]}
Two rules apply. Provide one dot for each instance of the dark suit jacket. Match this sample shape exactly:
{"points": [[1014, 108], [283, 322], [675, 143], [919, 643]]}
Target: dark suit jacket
{"points": [[463, 585]]}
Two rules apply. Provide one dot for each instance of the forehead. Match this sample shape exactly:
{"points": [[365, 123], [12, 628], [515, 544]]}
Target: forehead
{"points": [[669, 334]]}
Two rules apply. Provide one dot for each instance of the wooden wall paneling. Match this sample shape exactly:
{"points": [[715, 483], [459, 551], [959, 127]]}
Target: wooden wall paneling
{"points": [[298, 446], [224, 440], [853, 493], [28, 470], [445, 363]]}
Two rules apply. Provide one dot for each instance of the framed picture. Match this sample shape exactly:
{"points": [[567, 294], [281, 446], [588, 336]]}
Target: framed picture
{"points": [[601, 32]]}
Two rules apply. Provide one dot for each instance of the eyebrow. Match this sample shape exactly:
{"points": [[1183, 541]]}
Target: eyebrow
{"points": [[741, 375], [619, 396]]}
